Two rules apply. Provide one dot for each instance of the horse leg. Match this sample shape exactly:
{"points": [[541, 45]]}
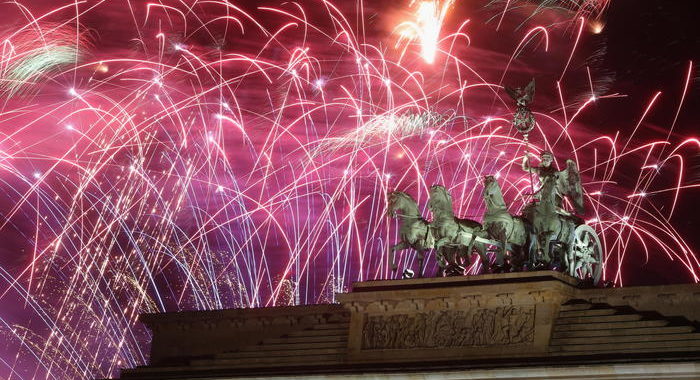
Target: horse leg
{"points": [[392, 252], [532, 251], [470, 247], [483, 254], [450, 255], [443, 262], [481, 250], [450, 261], [501, 253], [517, 262], [466, 257], [440, 253], [541, 256], [545, 250], [420, 263]]}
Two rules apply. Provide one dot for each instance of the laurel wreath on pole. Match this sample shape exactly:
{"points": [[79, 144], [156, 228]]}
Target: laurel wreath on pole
{"points": [[524, 120]]}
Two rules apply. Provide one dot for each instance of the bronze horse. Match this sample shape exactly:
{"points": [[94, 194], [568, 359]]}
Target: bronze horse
{"points": [[414, 231], [459, 235], [512, 232]]}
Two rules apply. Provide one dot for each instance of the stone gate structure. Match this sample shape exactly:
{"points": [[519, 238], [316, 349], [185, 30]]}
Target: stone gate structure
{"points": [[534, 325]]}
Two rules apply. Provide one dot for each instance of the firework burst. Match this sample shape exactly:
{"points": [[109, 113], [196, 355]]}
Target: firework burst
{"points": [[35, 52]]}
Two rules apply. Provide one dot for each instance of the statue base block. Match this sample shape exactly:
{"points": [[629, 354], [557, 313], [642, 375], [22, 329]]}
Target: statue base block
{"points": [[488, 316], [530, 325]]}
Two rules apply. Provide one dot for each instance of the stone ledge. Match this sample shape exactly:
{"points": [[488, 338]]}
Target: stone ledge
{"points": [[482, 279]]}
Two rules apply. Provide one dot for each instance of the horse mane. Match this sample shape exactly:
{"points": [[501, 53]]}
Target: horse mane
{"points": [[448, 200], [411, 202]]}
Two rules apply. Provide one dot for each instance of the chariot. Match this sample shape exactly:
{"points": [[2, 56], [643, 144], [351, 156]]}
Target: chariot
{"points": [[541, 237]]}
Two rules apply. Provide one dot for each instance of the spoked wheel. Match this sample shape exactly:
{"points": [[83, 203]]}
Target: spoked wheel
{"points": [[585, 256]]}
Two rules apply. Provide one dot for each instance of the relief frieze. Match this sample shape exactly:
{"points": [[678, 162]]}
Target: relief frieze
{"points": [[504, 325]]}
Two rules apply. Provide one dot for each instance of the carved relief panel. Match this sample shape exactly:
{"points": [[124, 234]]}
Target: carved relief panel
{"points": [[497, 326]]}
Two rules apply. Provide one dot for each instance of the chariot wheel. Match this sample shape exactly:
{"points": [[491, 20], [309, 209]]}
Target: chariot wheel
{"points": [[585, 256]]}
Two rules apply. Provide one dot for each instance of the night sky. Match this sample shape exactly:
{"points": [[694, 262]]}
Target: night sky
{"points": [[649, 44]]}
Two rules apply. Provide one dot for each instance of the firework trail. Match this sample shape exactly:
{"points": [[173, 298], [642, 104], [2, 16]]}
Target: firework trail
{"points": [[206, 154], [30, 54]]}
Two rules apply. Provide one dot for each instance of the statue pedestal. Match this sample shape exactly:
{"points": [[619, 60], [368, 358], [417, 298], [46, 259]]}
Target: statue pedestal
{"points": [[455, 318], [532, 325]]}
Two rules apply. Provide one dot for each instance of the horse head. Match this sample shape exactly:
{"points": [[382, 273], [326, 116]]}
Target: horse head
{"points": [[489, 185], [392, 205], [492, 193], [440, 201], [398, 200]]}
